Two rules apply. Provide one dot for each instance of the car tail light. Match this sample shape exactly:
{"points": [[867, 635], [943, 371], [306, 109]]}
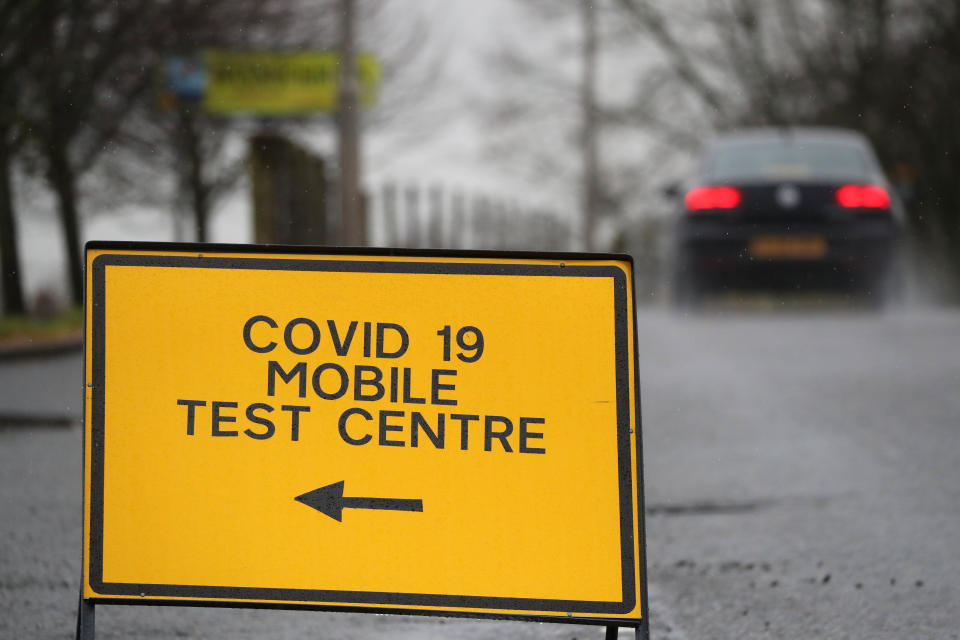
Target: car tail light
{"points": [[863, 196], [713, 197]]}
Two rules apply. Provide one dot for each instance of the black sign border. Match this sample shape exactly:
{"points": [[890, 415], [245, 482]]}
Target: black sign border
{"points": [[334, 600]]}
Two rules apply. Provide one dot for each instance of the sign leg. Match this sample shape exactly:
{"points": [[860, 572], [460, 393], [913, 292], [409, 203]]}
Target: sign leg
{"points": [[611, 632], [85, 619], [642, 631]]}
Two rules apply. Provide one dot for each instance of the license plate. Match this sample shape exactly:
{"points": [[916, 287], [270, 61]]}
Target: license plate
{"points": [[791, 247]]}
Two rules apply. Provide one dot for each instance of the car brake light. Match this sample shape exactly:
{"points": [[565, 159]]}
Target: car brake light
{"points": [[863, 196], [701, 198]]}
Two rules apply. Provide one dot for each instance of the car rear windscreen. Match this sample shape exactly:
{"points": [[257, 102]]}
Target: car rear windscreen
{"points": [[786, 159]]}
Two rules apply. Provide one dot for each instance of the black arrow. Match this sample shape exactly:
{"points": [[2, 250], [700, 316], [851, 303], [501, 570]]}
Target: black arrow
{"points": [[330, 500]]}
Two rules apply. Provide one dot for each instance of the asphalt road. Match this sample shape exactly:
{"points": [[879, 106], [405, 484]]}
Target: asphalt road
{"points": [[802, 480], [803, 474]]}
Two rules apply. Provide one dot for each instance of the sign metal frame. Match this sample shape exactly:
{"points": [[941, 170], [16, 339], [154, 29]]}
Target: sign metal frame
{"points": [[197, 255]]}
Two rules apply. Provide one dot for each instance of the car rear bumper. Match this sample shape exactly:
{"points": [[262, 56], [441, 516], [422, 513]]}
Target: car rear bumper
{"points": [[706, 245]]}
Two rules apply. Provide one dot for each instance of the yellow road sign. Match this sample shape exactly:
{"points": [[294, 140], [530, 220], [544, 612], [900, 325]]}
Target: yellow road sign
{"points": [[430, 433], [281, 83]]}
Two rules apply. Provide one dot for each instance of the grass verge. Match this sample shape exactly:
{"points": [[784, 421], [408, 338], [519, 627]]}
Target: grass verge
{"points": [[25, 329]]}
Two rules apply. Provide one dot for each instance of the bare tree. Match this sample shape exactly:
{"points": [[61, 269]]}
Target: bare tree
{"points": [[20, 24], [87, 74], [550, 113], [92, 74], [86, 108], [185, 141], [200, 150]]}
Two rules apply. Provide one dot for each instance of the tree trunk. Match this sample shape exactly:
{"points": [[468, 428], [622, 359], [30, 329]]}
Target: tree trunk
{"points": [[191, 174], [590, 185], [63, 181], [201, 206], [9, 252]]}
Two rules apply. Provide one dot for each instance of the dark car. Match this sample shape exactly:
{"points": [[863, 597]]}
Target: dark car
{"points": [[788, 208]]}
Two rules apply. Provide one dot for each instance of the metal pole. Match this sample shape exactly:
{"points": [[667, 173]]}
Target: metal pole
{"points": [[590, 187], [348, 131], [86, 629]]}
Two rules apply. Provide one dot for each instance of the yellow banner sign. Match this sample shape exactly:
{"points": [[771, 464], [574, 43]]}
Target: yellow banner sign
{"points": [[288, 83], [401, 433]]}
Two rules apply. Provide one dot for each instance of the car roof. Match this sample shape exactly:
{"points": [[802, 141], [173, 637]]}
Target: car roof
{"points": [[792, 134]]}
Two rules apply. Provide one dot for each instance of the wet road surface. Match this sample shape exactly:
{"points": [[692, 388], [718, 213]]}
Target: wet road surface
{"points": [[803, 474], [802, 480]]}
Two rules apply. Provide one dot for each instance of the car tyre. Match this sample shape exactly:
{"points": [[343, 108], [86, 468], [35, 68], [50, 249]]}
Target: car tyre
{"points": [[687, 290]]}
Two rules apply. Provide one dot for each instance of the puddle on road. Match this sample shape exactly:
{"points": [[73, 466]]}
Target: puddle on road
{"points": [[708, 508], [724, 507]]}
